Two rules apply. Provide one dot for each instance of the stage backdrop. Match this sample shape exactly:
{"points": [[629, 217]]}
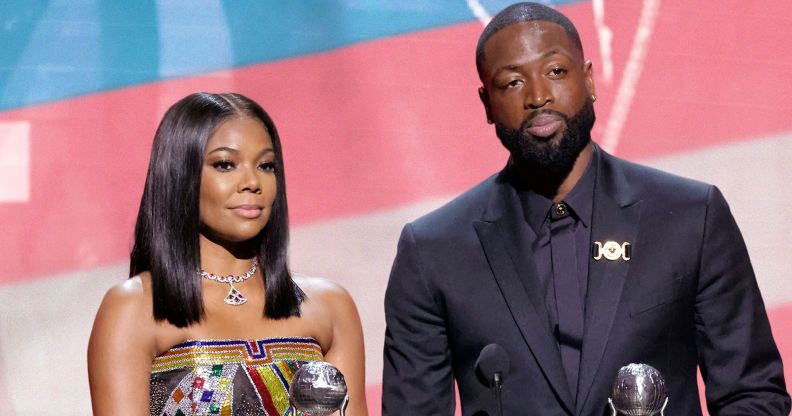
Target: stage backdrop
{"points": [[378, 112]]}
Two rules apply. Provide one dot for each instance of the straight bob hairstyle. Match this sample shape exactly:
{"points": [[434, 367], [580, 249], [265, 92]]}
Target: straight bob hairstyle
{"points": [[168, 222]]}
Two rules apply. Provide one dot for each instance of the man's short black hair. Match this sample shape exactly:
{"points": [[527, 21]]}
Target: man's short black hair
{"points": [[524, 12]]}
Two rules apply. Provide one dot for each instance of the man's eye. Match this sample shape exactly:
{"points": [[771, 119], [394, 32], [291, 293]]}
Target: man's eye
{"points": [[267, 167], [509, 84], [558, 71], [223, 165]]}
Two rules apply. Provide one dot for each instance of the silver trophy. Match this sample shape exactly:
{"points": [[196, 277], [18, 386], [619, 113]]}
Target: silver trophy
{"points": [[318, 389], [639, 390]]}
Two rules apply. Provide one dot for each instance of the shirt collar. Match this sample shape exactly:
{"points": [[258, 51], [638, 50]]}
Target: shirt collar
{"points": [[579, 200]]}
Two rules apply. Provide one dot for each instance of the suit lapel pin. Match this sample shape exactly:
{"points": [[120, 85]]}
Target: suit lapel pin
{"points": [[612, 250]]}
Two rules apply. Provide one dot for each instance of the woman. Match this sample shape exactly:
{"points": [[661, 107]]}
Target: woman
{"points": [[211, 321]]}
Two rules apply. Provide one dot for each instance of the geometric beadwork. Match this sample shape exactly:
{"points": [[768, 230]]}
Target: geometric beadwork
{"points": [[213, 376], [178, 395]]}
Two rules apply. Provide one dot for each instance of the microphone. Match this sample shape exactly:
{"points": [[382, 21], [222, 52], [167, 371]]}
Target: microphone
{"points": [[318, 389], [492, 366]]}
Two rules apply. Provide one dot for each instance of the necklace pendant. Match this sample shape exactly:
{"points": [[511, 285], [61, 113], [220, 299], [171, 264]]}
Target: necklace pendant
{"points": [[235, 297]]}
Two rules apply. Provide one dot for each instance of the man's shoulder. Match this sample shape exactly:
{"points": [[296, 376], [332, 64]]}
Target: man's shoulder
{"points": [[461, 210], [652, 183]]}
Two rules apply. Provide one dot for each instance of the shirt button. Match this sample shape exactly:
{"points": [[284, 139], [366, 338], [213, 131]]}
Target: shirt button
{"points": [[560, 209]]}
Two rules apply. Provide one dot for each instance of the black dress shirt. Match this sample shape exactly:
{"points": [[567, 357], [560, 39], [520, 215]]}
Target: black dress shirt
{"points": [[573, 215]]}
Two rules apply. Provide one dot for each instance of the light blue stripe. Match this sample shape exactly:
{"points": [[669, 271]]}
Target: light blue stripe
{"points": [[57, 49]]}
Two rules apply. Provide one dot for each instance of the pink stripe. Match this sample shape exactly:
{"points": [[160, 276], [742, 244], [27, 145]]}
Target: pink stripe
{"points": [[698, 91]]}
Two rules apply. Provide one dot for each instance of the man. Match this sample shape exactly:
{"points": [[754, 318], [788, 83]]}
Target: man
{"points": [[575, 262]]}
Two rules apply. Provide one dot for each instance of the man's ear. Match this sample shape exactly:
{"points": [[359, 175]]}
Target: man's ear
{"points": [[588, 71], [484, 97]]}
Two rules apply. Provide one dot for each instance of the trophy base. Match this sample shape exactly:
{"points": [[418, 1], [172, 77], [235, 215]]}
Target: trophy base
{"points": [[615, 413]]}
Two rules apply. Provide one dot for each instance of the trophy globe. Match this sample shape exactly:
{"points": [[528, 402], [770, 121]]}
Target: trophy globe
{"points": [[318, 389], [639, 390]]}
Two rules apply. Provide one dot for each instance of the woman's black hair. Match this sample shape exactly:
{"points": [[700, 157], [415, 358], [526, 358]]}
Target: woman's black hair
{"points": [[168, 223]]}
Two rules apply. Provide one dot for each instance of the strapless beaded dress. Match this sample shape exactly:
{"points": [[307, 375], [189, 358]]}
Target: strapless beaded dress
{"points": [[229, 377]]}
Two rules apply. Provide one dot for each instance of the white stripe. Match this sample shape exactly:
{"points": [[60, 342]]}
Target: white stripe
{"points": [[14, 161], [605, 37], [632, 72], [479, 11], [44, 328]]}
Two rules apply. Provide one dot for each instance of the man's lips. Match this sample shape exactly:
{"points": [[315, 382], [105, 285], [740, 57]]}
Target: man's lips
{"points": [[544, 125], [248, 210]]}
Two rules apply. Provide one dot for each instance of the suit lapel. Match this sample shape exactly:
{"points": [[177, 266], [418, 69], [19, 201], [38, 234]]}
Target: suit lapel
{"points": [[502, 234], [616, 215]]}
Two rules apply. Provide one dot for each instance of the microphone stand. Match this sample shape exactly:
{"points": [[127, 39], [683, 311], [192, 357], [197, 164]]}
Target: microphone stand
{"points": [[492, 366], [496, 390]]}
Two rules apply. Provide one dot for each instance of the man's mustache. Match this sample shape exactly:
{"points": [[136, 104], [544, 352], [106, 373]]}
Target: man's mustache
{"points": [[542, 114]]}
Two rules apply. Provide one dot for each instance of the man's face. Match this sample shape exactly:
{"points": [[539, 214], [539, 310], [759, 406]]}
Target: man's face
{"points": [[537, 91]]}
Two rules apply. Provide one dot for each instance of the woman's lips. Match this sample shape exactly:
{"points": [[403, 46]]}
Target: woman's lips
{"points": [[248, 211], [544, 125]]}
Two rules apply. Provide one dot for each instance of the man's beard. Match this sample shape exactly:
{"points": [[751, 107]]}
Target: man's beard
{"points": [[550, 158]]}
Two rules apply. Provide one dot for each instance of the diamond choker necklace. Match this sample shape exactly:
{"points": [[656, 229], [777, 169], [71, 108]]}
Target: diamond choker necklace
{"points": [[234, 297]]}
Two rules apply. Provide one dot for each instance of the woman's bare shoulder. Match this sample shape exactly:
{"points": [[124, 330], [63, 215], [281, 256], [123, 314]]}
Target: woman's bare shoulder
{"points": [[133, 293], [126, 310], [327, 297], [322, 289], [121, 346]]}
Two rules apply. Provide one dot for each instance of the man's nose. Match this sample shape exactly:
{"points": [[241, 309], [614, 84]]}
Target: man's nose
{"points": [[538, 94]]}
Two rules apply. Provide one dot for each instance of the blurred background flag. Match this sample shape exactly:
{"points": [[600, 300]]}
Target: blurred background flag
{"points": [[377, 109]]}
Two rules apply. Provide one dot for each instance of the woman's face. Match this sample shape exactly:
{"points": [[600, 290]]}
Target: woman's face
{"points": [[237, 181]]}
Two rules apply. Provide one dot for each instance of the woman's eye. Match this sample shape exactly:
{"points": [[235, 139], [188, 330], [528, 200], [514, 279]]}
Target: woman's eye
{"points": [[267, 166], [223, 165]]}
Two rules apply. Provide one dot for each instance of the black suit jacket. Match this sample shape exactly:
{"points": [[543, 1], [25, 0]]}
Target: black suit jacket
{"points": [[464, 277]]}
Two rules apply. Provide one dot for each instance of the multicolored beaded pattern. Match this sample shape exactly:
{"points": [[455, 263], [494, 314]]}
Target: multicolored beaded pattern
{"points": [[269, 366]]}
